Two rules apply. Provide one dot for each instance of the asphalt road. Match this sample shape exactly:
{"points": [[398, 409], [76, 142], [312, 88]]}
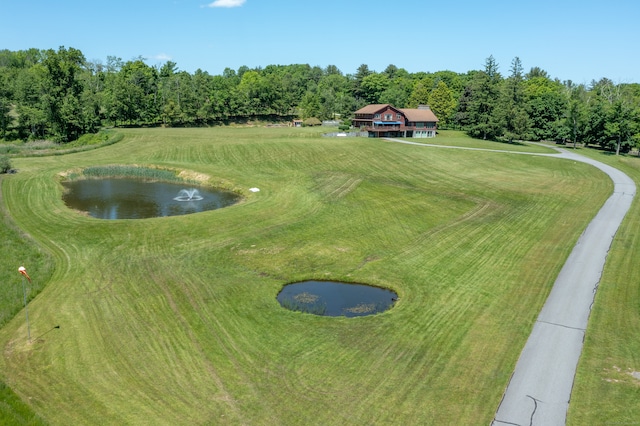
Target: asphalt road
{"points": [[539, 391], [540, 387]]}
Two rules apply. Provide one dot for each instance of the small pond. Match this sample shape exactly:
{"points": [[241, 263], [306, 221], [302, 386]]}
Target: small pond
{"points": [[334, 299], [118, 198]]}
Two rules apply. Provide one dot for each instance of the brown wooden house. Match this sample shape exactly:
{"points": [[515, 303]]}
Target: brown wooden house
{"points": [[384, 120]]}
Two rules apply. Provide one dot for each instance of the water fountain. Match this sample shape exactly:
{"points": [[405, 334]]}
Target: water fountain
{"points": [[118, 198], [188, 195]]}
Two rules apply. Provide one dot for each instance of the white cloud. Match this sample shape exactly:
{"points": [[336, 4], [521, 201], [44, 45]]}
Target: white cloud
{"points": [[162, 57], [227, 3]]}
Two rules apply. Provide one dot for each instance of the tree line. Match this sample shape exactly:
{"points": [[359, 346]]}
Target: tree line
{"points": [[59, 96]]}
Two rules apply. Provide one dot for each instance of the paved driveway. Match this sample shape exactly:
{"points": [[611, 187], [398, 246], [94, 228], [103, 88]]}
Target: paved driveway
{"points": [[540, 387]]}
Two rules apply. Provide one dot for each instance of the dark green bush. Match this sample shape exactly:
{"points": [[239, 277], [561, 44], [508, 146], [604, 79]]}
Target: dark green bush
{"points": [[5, 164]]}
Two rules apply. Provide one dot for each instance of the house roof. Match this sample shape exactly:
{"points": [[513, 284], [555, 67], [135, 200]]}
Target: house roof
{"points": [[422, 115], [373, 108]]}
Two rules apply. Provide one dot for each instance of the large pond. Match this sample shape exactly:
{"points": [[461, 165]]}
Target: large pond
{"points": [[329, 298], [119, 198]]}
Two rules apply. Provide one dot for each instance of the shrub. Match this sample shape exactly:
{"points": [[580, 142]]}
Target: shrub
{"points": [[9, 149], [89, 139], [312, 121], [5, 164]]}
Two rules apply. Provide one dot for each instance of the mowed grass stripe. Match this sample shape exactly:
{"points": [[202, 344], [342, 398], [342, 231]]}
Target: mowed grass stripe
{"points": [[174, 320], [607, 384]]}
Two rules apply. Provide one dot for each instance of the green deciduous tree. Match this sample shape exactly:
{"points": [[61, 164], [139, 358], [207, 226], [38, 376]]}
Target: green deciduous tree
{"points": [[310, 105], [61, 91], [419, 94], [595, 120], [621, 126], [545, 103], [575, 115], [5, 107], [133, 94], [443, 104], [373, 86]]}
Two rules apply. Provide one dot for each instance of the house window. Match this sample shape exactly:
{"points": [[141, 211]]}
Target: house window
{"points": [[398, 116], [376, 116], [388, 117]]}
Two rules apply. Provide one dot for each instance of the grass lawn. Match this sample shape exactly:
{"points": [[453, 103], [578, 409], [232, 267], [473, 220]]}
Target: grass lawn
{"points": [[175, 320], [459, 139], [607, 385]]}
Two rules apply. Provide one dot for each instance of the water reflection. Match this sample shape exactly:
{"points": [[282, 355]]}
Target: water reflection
{"points": [[136, 199], [328, 298]]}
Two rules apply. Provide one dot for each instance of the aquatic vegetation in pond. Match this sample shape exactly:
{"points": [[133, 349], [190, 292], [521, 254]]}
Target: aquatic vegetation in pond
{"points": [[124, 171], [329, 298], [309, 308]]}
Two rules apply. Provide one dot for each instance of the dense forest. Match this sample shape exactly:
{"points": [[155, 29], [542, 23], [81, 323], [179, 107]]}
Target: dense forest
{"points": [[59, 96]]}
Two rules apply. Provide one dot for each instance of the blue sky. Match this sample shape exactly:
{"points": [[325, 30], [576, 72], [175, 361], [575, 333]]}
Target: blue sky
{"points": [[570, 39]]}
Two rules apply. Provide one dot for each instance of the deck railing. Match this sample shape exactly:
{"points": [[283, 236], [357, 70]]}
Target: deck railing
{"points": [[396, 128]]}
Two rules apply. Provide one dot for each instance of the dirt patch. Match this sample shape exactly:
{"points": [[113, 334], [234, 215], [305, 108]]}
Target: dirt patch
{"points": [[263, 250], [616, 374], [194, 176]]}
